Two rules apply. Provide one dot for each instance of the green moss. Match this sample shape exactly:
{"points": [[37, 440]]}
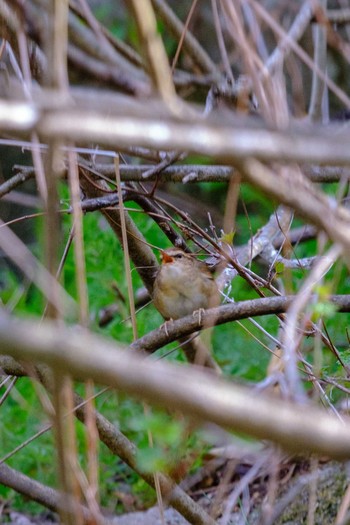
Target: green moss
{"points": [[330, 491]]}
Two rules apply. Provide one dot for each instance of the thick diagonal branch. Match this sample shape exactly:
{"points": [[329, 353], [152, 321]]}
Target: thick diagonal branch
{"points": [[191, 391]]}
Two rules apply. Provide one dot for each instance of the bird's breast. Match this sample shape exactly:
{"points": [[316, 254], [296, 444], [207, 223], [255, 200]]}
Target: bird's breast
{"points": [[178, 293]]}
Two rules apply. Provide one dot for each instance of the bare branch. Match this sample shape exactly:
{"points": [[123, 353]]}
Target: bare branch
{"points": [[46, 496], [185, 174], [226, 142], [190, 391], [224, 314]]}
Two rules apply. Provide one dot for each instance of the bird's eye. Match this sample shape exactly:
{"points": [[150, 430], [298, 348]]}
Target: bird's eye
{"points": [[178, 256]]}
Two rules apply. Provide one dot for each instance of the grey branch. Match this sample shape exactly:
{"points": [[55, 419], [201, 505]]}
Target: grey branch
{"points": [[227, 141], [46, 496], [224, 314]]}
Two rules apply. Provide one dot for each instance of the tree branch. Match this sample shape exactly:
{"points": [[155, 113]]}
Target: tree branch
{"points": [[46, 496], [226, 313], [191, 391], [226, 141]]}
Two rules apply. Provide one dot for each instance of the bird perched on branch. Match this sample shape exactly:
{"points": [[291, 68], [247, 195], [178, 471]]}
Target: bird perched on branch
{"points": [[183, 285]]}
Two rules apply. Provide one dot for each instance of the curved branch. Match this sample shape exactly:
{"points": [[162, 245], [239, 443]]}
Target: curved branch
{"points": [[221, 315], [46, 496], [191, 391]]}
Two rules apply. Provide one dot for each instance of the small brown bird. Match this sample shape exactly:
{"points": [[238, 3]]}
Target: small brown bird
{"points": [[183, 285]]}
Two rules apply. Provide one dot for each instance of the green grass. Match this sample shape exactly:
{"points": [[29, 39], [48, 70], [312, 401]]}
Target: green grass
{"points": [[240, 355]]}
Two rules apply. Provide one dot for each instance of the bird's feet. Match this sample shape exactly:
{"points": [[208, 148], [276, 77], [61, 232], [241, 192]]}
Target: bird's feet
{"points": [[199, 312], [165, 325]]}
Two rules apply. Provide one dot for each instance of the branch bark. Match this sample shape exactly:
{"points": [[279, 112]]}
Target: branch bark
{"points": [[46, 496], [227, 141], [190, 391], [221, 315]]}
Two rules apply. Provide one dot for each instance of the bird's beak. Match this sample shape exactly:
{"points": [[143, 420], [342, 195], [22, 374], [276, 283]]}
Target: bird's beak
{"points": [[166, 258]]}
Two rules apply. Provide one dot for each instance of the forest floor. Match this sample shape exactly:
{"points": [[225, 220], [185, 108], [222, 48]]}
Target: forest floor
{"points": [[326, 483]]}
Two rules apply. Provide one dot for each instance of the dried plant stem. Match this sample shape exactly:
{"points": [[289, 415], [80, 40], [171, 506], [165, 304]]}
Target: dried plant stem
{"points": [[320, 56], [156, 57], [291, 339], [191, 44], [287, 39]]}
